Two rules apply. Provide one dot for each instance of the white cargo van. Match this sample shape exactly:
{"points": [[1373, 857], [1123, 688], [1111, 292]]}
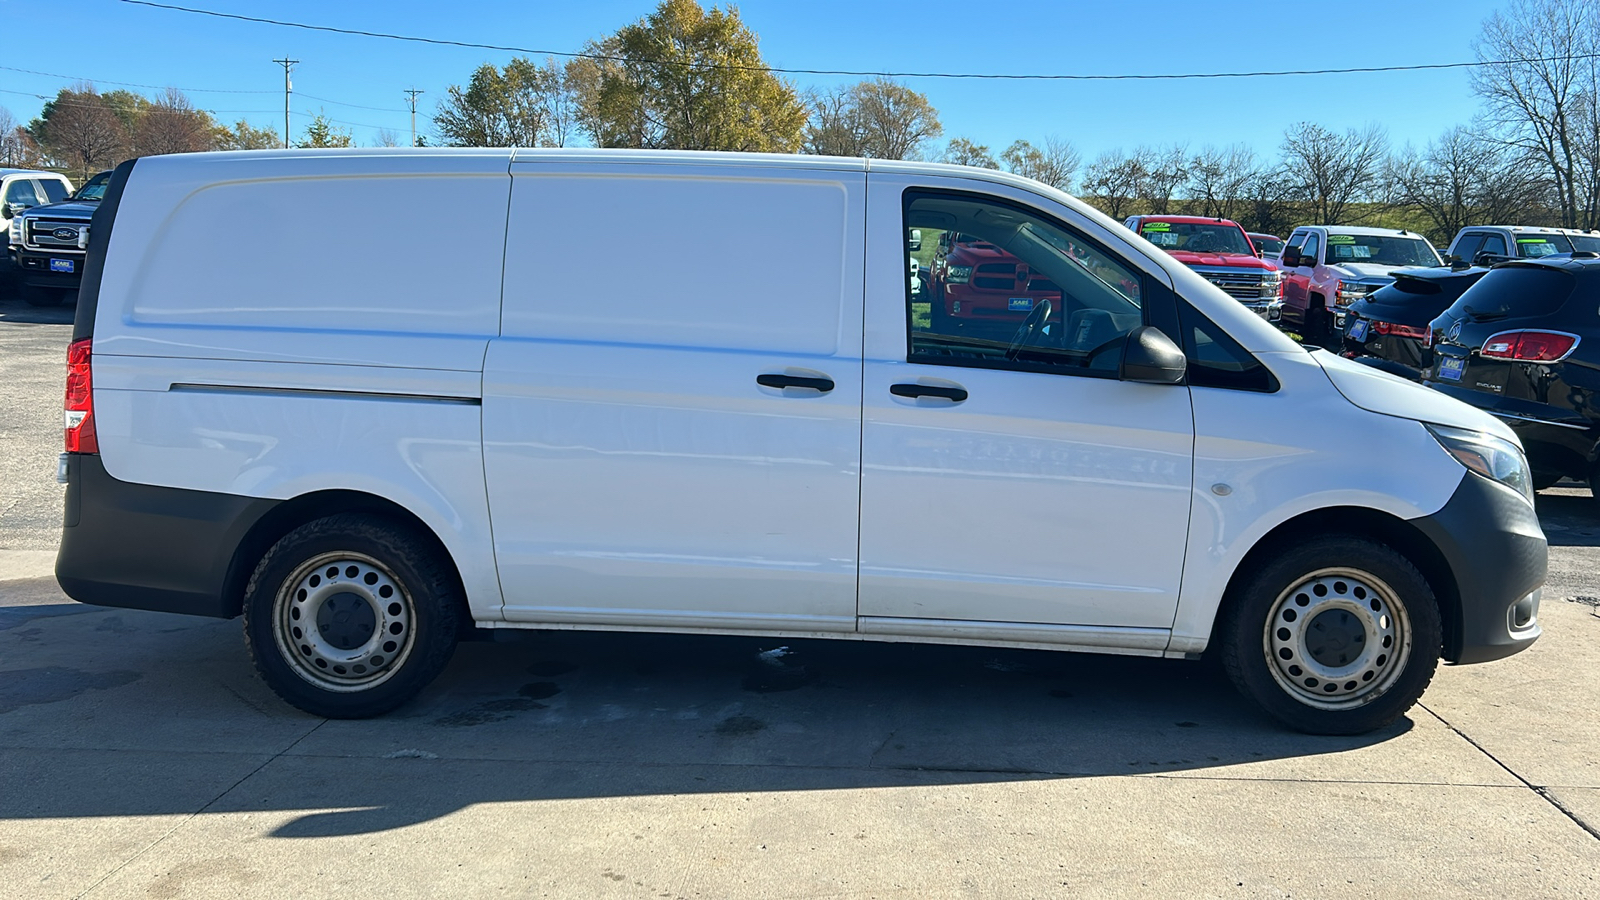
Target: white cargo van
{"points": [[366, 445]]}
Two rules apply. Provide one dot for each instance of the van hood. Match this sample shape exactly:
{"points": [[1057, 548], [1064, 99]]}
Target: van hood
{"points": [[1390, 395]]}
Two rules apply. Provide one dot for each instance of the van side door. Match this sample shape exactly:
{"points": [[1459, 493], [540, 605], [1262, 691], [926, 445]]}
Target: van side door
{"points": [[1012, 486], [672, 412]]}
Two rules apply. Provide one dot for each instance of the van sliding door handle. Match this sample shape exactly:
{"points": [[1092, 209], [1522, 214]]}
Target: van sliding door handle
{"points": [[820, 385], [953, 394]]}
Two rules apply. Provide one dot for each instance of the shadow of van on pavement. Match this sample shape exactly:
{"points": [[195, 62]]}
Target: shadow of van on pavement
{"points": [[118, 712]]}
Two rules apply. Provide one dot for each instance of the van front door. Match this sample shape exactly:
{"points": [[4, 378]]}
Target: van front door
{"points": [[1011, 484], [672, 413]]}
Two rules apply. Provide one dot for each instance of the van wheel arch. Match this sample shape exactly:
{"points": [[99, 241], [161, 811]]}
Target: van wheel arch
{"points": [[293, 513], [1397, 533]]}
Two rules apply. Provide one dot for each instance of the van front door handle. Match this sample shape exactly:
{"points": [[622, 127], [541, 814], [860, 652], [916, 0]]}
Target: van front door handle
{"points": [[820, 385], [953, 394]]}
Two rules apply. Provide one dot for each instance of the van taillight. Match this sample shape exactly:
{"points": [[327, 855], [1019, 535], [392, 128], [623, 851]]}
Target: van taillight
{"points": [[79, 404], [1529, 346]]}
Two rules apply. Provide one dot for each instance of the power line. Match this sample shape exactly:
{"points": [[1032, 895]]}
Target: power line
{"points": [[855, 72], [156, 87]]}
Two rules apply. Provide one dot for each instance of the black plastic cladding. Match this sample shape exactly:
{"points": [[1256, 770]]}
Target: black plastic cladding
{"points": [[95, 265]]}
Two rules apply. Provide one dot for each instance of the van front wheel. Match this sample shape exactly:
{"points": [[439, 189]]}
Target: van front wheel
{"points": [[350, 616], [1339, 635]]}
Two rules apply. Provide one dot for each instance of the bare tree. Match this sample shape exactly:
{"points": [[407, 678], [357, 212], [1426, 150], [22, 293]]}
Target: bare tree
{"points": [[1114, 181], [386, 137], [15, 146], [963, 152], [1054, 164], [1534, 81], [1164, 171], [171, 124], [1331, 172], [1220, 180], [1463, 179], [82, 130], [879, 118]]}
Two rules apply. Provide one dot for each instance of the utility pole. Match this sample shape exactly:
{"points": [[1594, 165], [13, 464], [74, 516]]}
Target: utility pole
{"points": [[287, 64], [412, 95]]}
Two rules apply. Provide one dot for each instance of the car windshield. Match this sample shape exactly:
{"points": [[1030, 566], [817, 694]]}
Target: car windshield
{"points": [[1533, 246], [1380, 250], [1189, 237], [94, 188], [1268, 246], [1587, 243]]}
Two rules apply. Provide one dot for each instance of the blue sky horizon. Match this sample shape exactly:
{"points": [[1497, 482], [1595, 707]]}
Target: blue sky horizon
{"points": [[226, 66]]}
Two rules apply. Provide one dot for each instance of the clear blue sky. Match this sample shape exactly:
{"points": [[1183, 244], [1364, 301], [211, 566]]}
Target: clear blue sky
{"points": [[108, 41]]}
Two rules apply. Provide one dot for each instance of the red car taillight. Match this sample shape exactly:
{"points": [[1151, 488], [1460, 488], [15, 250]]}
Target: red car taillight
{"points": [[1529, 346], [79, 404], [1405, 331]]}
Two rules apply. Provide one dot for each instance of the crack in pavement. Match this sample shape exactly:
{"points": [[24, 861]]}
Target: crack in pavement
{"points": [[190, 817], [1542, 790]]}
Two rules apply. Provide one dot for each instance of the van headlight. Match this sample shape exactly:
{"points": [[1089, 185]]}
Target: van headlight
{"points": [[1492, 457]]}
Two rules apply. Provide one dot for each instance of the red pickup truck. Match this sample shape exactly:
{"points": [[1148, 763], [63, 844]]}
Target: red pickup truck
{"points": [[1222, 253], [974, 281]]}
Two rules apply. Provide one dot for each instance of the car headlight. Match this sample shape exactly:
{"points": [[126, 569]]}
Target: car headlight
{"points": [[1492, 457], [958, 274]]}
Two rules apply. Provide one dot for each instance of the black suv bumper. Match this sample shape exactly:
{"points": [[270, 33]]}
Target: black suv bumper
{"points": [[34, 268], [1490, 537]]}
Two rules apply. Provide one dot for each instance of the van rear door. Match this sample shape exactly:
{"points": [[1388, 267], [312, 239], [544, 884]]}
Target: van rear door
{"points": [[672, 414]]}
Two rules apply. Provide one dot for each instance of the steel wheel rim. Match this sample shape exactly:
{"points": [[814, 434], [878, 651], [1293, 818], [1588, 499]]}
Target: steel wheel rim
{"points": [[1338, 638], [343, 622]]}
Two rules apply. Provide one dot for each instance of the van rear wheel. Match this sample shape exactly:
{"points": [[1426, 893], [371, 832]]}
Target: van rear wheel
{"points": [[350, 616], [1339, 635]]}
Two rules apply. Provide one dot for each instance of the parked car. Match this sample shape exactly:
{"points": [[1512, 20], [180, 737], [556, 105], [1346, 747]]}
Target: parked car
{"points": [[48, 244], [23, 189], [1497, 243], [1222, 253], [1583, 241], [1524, 345], [1388, 328], [258, 426], [1327, 268], [1268, 246]]}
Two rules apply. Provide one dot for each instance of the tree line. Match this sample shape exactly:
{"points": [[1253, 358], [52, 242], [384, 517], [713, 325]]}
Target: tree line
{"points": [[689, 77]]}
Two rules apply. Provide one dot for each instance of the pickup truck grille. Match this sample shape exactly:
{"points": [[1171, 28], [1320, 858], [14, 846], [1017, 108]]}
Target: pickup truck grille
{"points": [[41, 234], [1243, 284]]}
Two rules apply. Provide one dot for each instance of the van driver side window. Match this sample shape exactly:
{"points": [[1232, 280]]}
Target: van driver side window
{"points": [[1000, 286]]}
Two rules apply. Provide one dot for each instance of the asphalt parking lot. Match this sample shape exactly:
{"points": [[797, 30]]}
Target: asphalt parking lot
{"points": [[141, 757]]}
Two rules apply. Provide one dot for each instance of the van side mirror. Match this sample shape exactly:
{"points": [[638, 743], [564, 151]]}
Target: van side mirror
{"points": [[1150, 357]]}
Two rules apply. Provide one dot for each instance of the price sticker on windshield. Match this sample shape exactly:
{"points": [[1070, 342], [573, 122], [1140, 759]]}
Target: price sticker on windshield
{"points": [[1156, 226], [1341, 239]]}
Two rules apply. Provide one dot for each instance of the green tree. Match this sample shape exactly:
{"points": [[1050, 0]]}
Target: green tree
{"points": [[689, 79], [241, 136], [521, 105], [323, 133], [85, 130]]}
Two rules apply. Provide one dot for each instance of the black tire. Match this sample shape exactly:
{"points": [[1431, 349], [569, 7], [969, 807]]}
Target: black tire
{"points": [[41, 297], [387, 604], [938, 316], [1544, 479], [1318, 327], [1358, 622]]}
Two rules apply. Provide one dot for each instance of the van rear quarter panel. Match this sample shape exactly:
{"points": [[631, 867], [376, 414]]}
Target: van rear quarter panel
{"points": [[272, 325]]}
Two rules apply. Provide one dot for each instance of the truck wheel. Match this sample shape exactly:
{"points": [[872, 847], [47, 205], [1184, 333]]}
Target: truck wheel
{"points": [[1339, 635], [350, 616], [41, 297]]}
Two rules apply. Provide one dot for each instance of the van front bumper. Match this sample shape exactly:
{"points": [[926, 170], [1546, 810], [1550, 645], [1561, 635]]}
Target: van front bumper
{"points": [[1491, 539]]}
